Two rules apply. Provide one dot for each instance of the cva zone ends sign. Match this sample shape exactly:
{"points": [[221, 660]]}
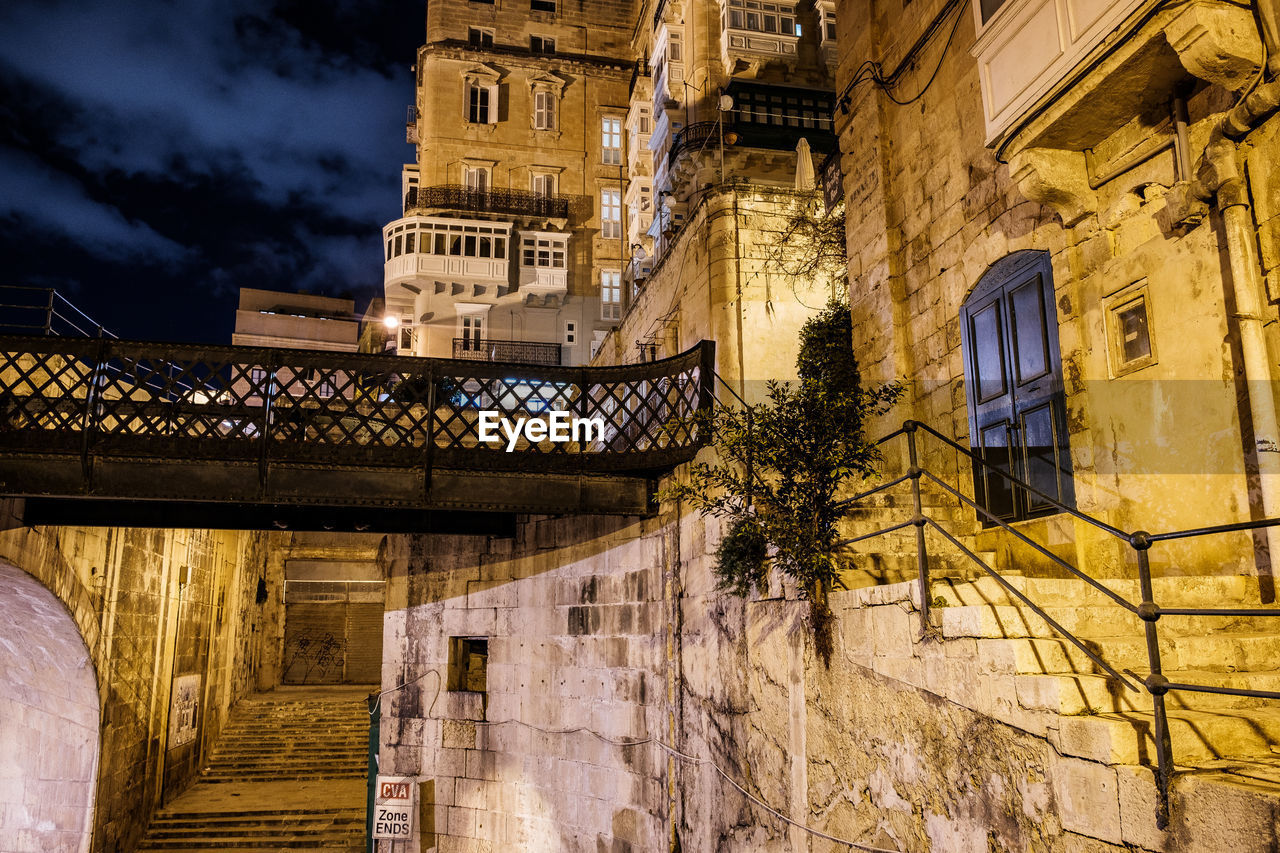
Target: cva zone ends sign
{"points": [[393, 808]]}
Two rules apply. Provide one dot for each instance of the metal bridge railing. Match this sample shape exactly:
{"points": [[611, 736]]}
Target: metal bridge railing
{"points": [[44, 311], [110, 398], [1147, 610]]}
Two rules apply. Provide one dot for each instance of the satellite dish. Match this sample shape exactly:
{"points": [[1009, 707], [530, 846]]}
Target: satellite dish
{"points": [[640, 254], [726, 103]]}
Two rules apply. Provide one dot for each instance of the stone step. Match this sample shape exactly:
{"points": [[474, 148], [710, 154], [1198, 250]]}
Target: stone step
{"points": [[996, 620], [215, 777], [1196, 736], [1220, 591], [1093, 694], [349, 842], [250, 816], [1236, 652]]}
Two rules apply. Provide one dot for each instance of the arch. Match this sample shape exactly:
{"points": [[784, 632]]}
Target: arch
{"points": [[49, 720], [1014, 388]]}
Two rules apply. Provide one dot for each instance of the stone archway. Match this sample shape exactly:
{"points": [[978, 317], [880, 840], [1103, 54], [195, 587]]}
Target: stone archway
{"points": [[49, 721]]}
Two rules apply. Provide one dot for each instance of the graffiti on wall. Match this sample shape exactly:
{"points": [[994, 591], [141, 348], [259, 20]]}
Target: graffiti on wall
{"points": [[313, 655]]}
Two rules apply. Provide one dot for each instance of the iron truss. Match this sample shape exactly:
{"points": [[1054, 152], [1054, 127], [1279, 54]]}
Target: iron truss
{"points": [[101, 418]]}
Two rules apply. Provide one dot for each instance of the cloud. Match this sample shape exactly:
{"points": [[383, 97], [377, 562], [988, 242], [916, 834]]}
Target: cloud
{"points": [[200, 146], [56, 203]]}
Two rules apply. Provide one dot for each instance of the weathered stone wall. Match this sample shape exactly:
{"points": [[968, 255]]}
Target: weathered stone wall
{"points": [[721, 280], [606, 633], [577, 667], [143, 629], [931, 209]]}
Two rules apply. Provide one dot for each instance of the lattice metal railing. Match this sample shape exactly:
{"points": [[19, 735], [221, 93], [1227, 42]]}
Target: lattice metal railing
{"points": [[110, 398]]}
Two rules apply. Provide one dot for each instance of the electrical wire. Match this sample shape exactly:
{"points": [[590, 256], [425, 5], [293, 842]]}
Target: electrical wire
{"points": [[872, 70]]}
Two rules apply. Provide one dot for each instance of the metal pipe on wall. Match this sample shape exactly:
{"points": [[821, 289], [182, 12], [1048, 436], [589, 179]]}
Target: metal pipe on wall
{"points": [[1219, 178]]}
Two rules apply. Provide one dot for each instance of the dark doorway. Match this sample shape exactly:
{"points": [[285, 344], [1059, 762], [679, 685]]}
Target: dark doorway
{"points": [[1013, 377]]}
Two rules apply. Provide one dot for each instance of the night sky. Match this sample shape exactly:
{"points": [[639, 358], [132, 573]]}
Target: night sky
{"points": [[157, 156]]}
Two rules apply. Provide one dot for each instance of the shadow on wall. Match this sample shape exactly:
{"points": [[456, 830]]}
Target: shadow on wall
{"points": [[49, 714]]}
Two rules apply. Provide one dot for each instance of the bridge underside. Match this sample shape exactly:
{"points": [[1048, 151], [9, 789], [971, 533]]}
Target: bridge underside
{"points": [[143, 492]]}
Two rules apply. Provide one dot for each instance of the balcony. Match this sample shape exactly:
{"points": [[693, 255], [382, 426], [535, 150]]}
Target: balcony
{"points": [[514, 352], [504, 202], [744, 134]]}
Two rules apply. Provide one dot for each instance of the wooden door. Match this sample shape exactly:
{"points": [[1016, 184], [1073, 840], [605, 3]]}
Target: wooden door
{"points": [[1013, 374]]}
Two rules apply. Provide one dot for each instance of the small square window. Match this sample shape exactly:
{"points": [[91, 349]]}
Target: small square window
{"points": [[570, 333], [542, 44], [1131, 337], [468, 664], [542, 5], [480, 37]]}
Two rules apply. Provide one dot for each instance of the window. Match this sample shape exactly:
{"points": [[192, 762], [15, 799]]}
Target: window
{"points": [[476, 178], [480, 103], [471, 331], [782, 107], [611, 141], [258, 376], [542, 5], [476, 241], [406, 337], [989, 8], [570, 333], [675, 52], [468, 664], [773, 18], [322, 383], [480, 37], [610, 214], [1129, 330], [644, 119], [611, 295], [543, 184], [542, 44], [544, 251], [544, 110]]}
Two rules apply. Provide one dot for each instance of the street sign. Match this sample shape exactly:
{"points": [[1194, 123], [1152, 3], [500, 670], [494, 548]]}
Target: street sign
{"points": [[393, 808]]}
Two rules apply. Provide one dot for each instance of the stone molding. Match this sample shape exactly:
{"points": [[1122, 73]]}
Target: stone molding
{"points": [[1216, 42], [1056, 178]]}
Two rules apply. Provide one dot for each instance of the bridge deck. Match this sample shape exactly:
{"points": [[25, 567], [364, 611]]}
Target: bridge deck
{"points": [[94, 418]]}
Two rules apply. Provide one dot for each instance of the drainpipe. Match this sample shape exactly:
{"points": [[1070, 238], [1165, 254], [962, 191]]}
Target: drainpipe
{"points": [[1218, 177]]}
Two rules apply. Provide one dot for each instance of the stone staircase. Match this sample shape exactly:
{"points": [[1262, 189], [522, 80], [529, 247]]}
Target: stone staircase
{"points": [[288, 773], [989, 652]]}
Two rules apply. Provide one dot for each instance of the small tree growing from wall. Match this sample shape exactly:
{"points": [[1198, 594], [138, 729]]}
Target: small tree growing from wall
{"points": [[782, 465]]}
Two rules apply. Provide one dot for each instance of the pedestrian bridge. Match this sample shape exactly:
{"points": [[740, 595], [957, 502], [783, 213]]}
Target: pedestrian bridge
{"points": [[118, 431]]}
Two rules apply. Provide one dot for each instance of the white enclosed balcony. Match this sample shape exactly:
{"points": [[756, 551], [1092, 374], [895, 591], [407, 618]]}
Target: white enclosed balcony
{"points": [[753, 33], [544, 263], [436, 247], [1025, 47]]}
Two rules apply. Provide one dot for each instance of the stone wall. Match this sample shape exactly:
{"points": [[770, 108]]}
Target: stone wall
{"points": [[153, 606], [577, 667], [631, 705], [932, 209]]}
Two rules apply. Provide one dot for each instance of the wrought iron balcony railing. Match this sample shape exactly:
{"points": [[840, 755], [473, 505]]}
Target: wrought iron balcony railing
{"points": [[514, 352], [507, 202]]}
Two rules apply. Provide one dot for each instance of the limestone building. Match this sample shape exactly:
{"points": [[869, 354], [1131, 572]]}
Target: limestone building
{"points": [[512, 242]]}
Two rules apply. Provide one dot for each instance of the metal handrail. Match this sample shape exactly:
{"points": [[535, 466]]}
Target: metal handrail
{"points": [[1155, 683]]}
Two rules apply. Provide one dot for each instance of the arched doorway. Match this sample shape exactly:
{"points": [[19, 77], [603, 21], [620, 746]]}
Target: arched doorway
{"points": [[49, 721], [1013, 379]]}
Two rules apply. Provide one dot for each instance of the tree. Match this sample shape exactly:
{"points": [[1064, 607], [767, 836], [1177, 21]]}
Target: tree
{"points": [[782, 465]]}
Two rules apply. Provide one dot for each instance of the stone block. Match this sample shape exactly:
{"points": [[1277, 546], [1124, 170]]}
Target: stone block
{"points": [[1088, 798], [1137, 791]]}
